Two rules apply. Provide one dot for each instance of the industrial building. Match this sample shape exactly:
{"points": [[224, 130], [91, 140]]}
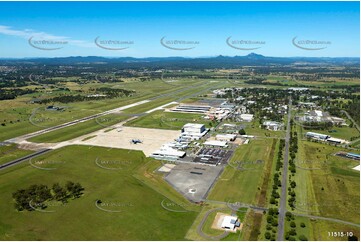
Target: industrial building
{"points": [[348, 155], [317, 136], [191, 109], [336, 141]]}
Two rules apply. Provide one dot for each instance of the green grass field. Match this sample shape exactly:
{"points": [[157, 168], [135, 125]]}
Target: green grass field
{"points": [[243, 186], [141, 218], [326, 184], [167, 120], [19, 118], [91, 126], [11, 152], [319, 230]]}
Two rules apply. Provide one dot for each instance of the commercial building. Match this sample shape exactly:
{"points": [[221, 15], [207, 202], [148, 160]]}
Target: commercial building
{"points": [[246, 117], [272, 125]]}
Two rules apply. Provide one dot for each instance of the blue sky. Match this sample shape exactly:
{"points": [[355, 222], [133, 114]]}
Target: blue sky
{"points": [[273, 25]]}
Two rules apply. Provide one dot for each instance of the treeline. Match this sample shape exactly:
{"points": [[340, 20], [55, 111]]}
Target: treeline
{"points": [[108, 92], [292, 167], [6, 94], [276, 177], [35, 196]]}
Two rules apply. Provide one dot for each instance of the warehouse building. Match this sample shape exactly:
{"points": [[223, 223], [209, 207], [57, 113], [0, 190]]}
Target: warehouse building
{"points": [[226, 137], [191, 109], [216, 143]]}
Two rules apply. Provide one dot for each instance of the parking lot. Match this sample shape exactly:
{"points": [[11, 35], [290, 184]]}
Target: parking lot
{"points": [[212, 156], [193, 180]]}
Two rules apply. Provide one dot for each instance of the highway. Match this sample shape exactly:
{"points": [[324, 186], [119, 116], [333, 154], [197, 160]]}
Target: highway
{"points": [[283, 199]]}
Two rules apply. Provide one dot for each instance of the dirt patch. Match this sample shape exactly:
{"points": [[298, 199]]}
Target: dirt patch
{"points": [[261, 201], [256, 224]]}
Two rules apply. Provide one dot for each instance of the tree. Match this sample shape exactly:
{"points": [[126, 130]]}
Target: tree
{"points": [[303, 238], [293, 224], [303, 225], [267, 235], [293, 232], [242, 132], [59, 192]]}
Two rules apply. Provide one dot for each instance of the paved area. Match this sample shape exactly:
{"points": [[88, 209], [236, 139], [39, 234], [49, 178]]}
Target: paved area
{"points": [[152, 139], [213, 156], [193, 180]]}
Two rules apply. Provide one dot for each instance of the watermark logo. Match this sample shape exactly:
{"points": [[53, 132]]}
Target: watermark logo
{"points": [[112, 206], [49, 116], [113, 44], [112, 164], [178, 44], [178, 207], [35, 206], [246, 165], [38, 164], [47, 44], [306, 44], [244, 44]]}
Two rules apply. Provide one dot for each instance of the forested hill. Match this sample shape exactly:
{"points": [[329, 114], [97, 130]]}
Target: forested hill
{"points": [[183, 62]]}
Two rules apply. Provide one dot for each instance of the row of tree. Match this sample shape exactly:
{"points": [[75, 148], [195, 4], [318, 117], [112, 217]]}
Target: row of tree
{"points": [[36, 196]]}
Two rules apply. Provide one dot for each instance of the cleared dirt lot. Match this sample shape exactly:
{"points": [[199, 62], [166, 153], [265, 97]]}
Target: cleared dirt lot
{"points": [[152, 139]]}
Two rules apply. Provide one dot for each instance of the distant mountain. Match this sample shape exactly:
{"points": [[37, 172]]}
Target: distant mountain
{"points": [[251, 59]]}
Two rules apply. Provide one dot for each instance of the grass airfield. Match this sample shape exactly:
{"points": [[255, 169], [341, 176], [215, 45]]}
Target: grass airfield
{"points": [[141, 215]]}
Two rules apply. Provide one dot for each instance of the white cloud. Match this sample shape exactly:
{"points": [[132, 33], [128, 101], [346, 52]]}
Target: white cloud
{"points": [[28, 33]]}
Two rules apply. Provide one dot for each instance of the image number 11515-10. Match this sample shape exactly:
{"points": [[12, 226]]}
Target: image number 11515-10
{"points": [[340, 234]]}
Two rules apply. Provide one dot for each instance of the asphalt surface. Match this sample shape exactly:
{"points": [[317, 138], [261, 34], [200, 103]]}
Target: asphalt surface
{"points": [[283, 200], [17, 161], [46, 130]]}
